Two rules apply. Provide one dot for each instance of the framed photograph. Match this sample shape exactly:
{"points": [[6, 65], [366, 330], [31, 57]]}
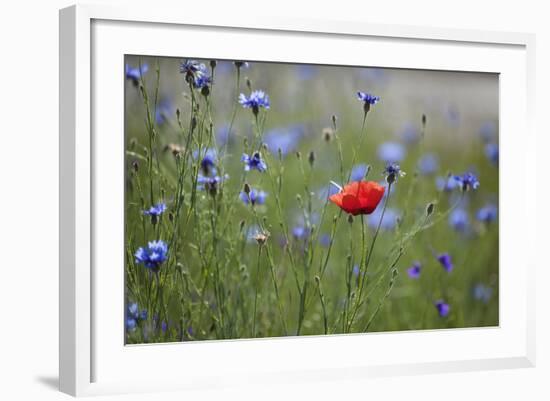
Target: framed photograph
{"points": [[288, 200]]}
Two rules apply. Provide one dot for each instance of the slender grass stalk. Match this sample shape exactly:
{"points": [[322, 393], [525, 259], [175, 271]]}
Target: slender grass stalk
{"points": [[257, 285]]}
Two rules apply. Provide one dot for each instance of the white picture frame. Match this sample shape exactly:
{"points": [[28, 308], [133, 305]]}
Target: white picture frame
{"points": [[93, 358]]}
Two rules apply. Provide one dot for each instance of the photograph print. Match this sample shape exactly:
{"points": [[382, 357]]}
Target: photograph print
{"points": [[267, 199]]}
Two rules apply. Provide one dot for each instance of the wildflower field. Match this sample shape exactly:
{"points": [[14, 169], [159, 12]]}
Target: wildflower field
{"points": [[268, 199]]}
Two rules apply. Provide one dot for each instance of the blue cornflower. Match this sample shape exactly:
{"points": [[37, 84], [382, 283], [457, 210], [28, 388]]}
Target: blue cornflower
{"points": [[492, 153], [254, 162], [453, 116], [208, 162], [487, 213], [446, 262], [428, 164], [305, 71], [133, 316], [224, 134], [202, 81], [391, 152], [299, 232], [324, 240], [164, 326], [410, 134], [134, 74], [257, 99], [446, 184], [482, 293], [459, 219], [359, 171], [487, 131], [153, 255], [414, 270], [355, 271], [255, 197], [368, 100], [389, 222], [163, 110], [393, 172], [131, 324], [467, 181], [442, 307], [156, 210], [210, 183], [284, 139], [193, 70]]}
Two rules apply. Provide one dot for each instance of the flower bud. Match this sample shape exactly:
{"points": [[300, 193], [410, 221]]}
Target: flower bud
{"points": [[135, 166], [248, 84], [350, 218], [311, 158], [213, 64], [327, 134], [430, 209], [246, 188]]}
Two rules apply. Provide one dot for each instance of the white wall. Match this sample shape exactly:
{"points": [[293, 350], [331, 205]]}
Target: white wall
{"points": [[29, 201]]}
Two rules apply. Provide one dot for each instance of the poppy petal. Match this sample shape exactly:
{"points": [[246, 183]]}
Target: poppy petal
{"points": [[351, 204]]}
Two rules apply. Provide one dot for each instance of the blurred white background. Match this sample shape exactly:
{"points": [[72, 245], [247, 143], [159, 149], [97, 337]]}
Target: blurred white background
{"points": [[29, 200]]}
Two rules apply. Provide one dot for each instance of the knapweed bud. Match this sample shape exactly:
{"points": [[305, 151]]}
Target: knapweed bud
{"points": [[430, 209], [334, 118], [205, 90], [246, 188], [178, 113], [423, 119], [171, 217], [135, 166], [249, 84], [238, 64], [213, 64], [327, 134], [193, 123], [311, 158], [350, 219]]}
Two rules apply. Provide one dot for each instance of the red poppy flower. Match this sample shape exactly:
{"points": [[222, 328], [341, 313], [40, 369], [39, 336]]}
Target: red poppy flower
{"points": [[359, 197]]}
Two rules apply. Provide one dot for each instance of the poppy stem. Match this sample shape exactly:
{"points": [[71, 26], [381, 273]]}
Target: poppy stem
{"points": [[256, 291], [363, 273]]}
